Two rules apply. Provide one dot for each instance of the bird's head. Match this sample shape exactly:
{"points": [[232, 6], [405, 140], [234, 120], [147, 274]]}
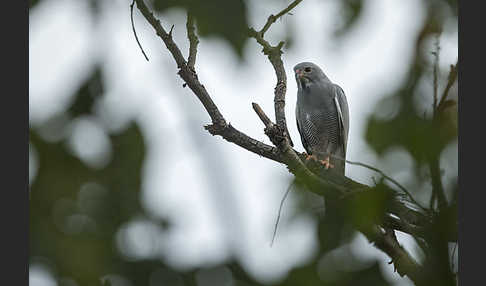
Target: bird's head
{"points": [[307, 74]]}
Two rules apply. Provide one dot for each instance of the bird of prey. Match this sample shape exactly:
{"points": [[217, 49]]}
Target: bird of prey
{"points": [[322, 116]]}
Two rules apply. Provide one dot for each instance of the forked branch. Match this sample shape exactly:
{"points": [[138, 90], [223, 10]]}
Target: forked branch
{"points": [[329, 185]]}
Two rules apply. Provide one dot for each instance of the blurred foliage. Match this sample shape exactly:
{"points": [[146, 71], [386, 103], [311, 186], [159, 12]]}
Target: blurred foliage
{"points": [[93, 4], [226, 19], [329, 274], [32, 3], [77, 212], [368, 208], [421, 136], [453, 6], [88, 93], [351, 11]]}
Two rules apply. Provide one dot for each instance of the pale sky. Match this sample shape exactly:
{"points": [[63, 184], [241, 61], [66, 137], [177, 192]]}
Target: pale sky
{"points": [[228, 204]]}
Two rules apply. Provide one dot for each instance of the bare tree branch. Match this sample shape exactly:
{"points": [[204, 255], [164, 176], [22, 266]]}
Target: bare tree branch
{"points": [[329, 185], [193, 41], [231, 134], [274, 55], [403, 262], [263, 117], [184, 71]]}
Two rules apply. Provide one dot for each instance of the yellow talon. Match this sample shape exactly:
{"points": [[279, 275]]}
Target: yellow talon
{"points": [[327, 163], [311, 157]]}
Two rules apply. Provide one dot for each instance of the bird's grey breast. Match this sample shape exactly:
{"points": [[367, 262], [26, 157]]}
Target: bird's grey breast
{"points": [[317, 114]]}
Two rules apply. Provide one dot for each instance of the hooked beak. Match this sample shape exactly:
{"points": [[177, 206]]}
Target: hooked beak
{"points": [[302, 79], [299, 73]]}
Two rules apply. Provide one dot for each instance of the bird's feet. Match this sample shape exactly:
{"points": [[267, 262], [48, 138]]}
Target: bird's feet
{"points": [[308, 157], [327, 163]]}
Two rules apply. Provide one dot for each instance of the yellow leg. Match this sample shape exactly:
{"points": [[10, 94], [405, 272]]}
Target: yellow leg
{"points": [[327, 163], [313, 157]]}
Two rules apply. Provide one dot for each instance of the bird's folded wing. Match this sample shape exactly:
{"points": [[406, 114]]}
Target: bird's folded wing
{"points": [[343, 113], [301, 132]]}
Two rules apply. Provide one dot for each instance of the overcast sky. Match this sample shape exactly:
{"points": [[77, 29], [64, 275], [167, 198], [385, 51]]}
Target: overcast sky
{"points": [[225, 204]]}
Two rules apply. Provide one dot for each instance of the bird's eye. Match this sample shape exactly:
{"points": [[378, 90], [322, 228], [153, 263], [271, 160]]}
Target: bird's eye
{"points": [[307, 69]]}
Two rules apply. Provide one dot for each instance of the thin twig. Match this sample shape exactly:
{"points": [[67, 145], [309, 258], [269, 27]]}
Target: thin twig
{"points": [[273, 18], [384, 176], [401, 187], [450, 83], [170, 31], [135, 33], [193, 41], [279, 212], [436, 54], [452, 257]]}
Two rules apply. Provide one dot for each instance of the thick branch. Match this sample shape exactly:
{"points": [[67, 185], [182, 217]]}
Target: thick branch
{"points": [[387, 242], [231, 134]]}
